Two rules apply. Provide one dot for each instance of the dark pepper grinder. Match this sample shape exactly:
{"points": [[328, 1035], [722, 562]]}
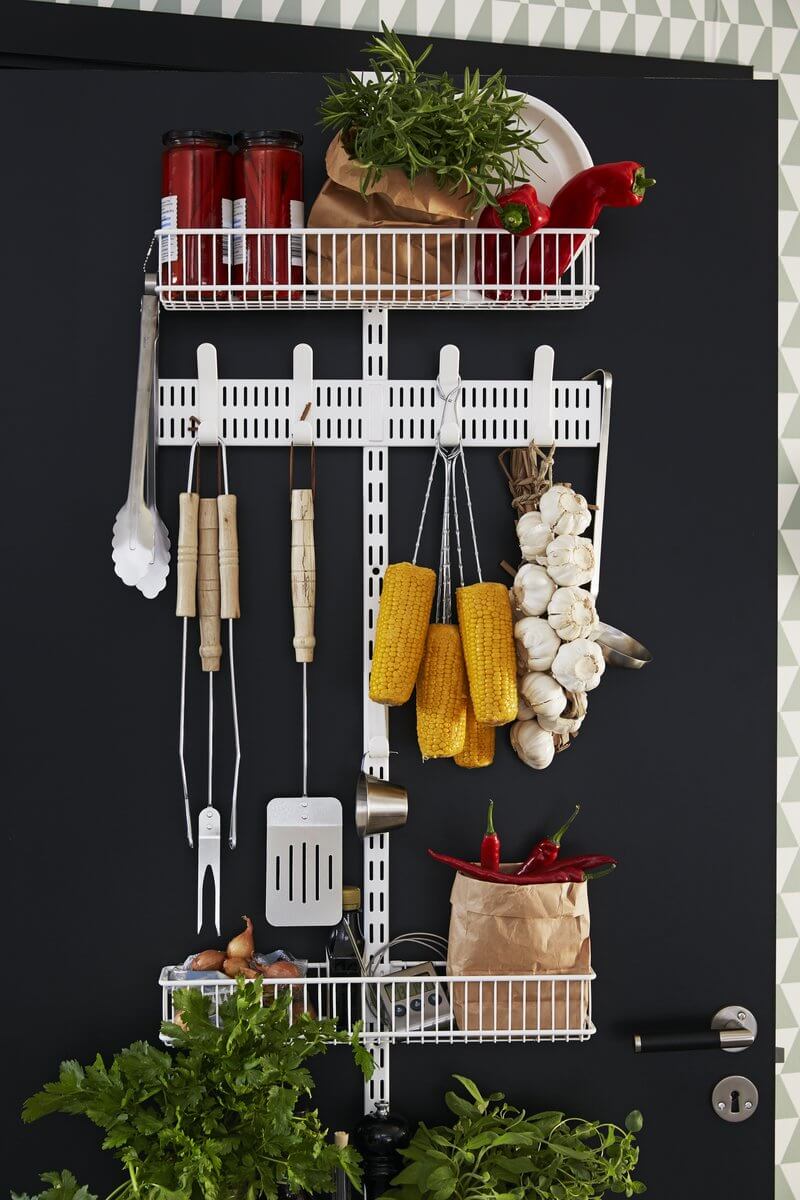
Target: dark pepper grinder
{"points": [[378, 1137]]}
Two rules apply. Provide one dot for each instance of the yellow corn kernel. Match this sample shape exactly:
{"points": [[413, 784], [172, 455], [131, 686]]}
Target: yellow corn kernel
{"points": [[403, 617], [478, 744], [487, 635], [442, 694]]}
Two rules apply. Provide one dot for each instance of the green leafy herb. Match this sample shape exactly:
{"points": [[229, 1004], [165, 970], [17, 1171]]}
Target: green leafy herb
{"points": [[224, 1116], [64, 1186], [497, 1152], [469, 136]]}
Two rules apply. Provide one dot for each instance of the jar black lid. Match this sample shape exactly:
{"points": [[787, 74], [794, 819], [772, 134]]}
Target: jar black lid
{"points": [[269, 137], [206, 135]]}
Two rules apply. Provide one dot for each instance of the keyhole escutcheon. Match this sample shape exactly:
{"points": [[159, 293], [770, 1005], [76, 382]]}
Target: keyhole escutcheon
{"points": [[735, 1099]]}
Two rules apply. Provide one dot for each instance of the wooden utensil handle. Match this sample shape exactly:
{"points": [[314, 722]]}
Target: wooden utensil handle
{"points": [[186, 603], [228, 557], [304, 574], [208, 585]]}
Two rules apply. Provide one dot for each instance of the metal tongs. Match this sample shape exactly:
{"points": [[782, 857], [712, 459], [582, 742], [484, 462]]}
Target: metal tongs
{"points": [[140, 541]]}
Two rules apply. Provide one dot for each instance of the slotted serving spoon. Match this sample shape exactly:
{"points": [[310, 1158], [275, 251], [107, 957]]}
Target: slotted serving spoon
{"points": [[133, 538], [304, 833]]}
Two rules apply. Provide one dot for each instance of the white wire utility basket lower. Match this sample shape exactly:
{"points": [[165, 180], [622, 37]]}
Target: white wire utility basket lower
{"points": [[419, 1003], [262, 269]]}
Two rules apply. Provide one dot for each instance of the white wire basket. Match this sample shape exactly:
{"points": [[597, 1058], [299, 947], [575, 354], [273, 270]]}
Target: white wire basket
{"points": [[262, 269], [419, 1003]]}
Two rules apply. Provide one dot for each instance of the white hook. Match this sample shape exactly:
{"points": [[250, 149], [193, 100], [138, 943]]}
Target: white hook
{"points": [[449, 379], [542, 397], [303, 395], [207, 407]]}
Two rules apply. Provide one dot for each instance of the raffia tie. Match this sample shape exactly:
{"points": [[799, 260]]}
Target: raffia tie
{"points": [[529, 471]]}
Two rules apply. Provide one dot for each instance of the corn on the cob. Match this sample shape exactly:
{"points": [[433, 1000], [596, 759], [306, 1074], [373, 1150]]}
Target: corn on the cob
{"points": [[442, 694], [478, 744], [487, 635], [403, 617]]}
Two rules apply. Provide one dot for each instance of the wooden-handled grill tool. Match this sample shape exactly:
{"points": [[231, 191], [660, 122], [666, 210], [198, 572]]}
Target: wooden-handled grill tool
{"points": [[304, 833], [208, 587]]}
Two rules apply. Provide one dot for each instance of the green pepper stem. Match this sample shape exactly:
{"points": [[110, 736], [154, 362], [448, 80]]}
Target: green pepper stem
{"points": [[490, 820], [515, 217], [641, 182], [558, 835], [599, 873], [587, 875]]}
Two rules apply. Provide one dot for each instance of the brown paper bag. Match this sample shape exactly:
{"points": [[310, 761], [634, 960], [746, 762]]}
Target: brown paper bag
{"points": [[541, 929], [394, 263]]}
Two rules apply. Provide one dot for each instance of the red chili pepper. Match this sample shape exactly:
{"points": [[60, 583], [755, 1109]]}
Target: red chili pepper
{"points": [[581, 862], [577, 206], [520, 214], [546, 851], [490, 846], [557, 873]]}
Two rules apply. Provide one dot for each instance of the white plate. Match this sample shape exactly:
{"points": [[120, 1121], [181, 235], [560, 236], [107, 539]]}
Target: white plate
{"points": [[564, 148]]}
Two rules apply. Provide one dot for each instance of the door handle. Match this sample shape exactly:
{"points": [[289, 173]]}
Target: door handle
{"points": [[732, 1028]]}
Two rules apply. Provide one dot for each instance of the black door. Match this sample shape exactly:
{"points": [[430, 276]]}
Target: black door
{"points": [[674, 767]]}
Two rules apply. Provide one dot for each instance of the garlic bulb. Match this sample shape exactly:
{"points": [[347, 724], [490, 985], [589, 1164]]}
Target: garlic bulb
{"points": [[572, 614], [543, 694], [534, 535], [563, 510], [579, 665], [569, 560], [536, 643], [524, 710], [532, 591], [534, 745]]}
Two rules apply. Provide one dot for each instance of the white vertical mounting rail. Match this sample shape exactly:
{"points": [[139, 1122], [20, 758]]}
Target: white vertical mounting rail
{"points": [[375, 550]]}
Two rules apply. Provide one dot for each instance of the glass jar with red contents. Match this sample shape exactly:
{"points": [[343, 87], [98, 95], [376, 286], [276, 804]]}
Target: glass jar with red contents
{"points": [[196, 193], [268, 194]]}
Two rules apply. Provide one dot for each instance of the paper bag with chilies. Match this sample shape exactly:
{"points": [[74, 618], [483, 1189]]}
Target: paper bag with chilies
{"points": [[394, 264], [537, 929]]}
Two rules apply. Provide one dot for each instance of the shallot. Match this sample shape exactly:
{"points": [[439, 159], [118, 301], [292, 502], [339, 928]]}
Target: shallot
{"points": [[208, 960], [234, 966], [243, 945]]}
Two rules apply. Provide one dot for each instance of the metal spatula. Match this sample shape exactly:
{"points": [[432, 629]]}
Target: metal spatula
{"points": [[304, 833]]}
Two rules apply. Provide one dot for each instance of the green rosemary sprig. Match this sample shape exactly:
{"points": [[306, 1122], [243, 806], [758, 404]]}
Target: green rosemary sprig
{"points": [[469, 138]]}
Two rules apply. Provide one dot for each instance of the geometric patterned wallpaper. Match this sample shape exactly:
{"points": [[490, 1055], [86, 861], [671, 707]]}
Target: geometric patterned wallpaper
{"points": [[762, 34]]}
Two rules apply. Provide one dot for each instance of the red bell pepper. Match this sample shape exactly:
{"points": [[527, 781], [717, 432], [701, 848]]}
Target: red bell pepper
{"points": [[518, 213], [577, 206]]}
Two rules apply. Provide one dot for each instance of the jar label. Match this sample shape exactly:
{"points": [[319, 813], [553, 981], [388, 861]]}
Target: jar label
{"points": [[297, 219], [239, 222], [227, 222], [168, 246]]}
